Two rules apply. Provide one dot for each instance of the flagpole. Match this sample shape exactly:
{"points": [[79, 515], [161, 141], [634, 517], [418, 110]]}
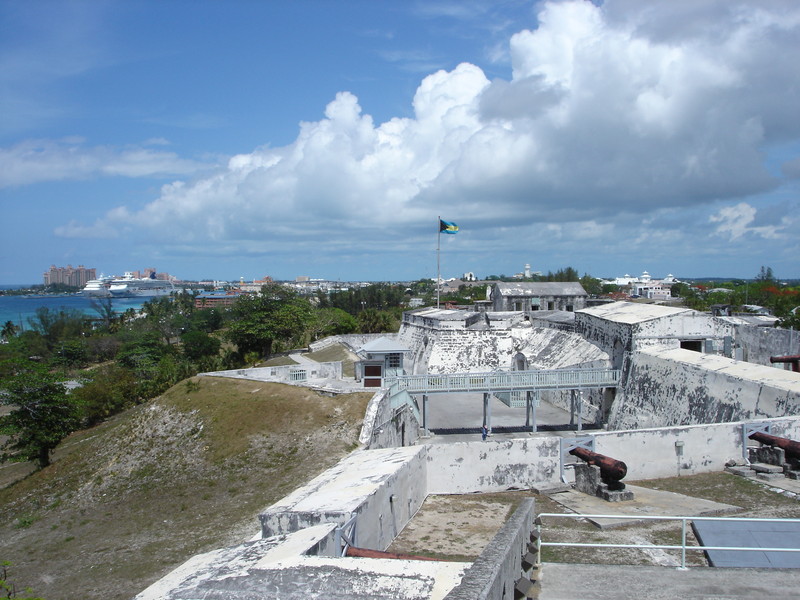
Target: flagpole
{"points": [[438, 250]]}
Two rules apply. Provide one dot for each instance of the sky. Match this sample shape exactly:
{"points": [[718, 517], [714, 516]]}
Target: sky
{"points": [[321, 138]]}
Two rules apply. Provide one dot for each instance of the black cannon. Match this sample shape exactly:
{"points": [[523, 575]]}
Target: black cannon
{"points": [[790, 447], [612, 471]]}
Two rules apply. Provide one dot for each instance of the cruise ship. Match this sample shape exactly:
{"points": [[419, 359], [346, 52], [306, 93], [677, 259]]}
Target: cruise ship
{"points": [[129, 287], [98, 287]]}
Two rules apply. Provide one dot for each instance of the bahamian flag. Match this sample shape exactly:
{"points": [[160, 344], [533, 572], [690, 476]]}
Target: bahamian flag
{"points": [[447, 227]]}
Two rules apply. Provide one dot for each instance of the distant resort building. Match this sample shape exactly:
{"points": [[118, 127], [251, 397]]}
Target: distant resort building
{"points": [[77, 277], [644, 286]]}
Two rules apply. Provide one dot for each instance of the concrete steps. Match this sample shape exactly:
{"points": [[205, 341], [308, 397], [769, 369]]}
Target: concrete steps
{"points": [[763, 471]]}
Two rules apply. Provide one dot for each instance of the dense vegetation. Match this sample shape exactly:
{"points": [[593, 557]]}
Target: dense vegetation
{"points": [[780, 298], [115, 361]]}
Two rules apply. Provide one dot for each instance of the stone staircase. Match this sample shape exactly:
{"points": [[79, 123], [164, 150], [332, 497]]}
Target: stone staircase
{"points": [[766, 464]]}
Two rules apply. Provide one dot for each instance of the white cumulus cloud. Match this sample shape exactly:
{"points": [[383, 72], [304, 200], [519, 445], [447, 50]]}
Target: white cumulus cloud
{"points": [[620, 109], [34, 161]]}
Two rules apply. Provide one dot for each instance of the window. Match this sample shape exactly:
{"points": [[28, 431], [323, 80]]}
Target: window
{"points": [[394, 360]]}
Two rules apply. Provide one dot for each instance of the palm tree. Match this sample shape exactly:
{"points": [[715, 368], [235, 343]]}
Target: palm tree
{"points": [[9, 330]]}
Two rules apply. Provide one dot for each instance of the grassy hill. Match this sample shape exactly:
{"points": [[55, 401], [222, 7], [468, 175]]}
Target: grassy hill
{"points": [[126, 502]]}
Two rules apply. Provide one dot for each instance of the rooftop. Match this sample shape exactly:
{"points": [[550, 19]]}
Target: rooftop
{"points": [[633, 312], [541, 288]]}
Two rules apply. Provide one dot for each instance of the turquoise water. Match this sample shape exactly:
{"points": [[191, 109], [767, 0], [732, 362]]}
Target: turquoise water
{"points": [[18, 309]]}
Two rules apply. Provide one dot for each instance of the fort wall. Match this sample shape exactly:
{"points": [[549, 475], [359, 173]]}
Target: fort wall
{"points": [[681, 387]]}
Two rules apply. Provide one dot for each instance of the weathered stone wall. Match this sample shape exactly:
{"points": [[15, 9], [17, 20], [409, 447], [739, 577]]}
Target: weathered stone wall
{"points": [[667, 332], [391, 420], [451, 349], [681, 387], [382, 488], [284, 373], [652, 454], [352, 340], [759, 343], [493, 465], [493, 574]]}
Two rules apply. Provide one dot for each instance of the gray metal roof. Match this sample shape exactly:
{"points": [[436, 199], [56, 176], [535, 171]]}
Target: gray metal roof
{"points": [[540, 288], [383, 344]]}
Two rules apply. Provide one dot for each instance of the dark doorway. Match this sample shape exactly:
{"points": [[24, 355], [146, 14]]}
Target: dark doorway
{"points": [[694, 345]]}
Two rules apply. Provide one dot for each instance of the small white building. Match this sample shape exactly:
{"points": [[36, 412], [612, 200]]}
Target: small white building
{"points": [[380, 358]]}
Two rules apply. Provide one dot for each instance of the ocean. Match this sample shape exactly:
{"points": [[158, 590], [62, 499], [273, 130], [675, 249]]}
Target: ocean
{"points": [[18, 309]]}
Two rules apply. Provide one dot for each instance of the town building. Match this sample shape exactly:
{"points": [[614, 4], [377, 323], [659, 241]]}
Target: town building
{"points": [[76, 277], [215, 299], [545, 295]]}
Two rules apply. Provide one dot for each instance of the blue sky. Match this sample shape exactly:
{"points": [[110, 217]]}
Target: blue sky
{"points": [[243, 138]]}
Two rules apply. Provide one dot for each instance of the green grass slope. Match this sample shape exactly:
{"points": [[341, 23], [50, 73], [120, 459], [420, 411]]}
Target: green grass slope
{"points": [[126, 502]]}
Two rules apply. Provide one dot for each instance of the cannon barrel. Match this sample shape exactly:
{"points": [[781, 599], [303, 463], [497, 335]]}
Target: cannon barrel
{"points": [[792, 360], [611, 469], [790, 447]]}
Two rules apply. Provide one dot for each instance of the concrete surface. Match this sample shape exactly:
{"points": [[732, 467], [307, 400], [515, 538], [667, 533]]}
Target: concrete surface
{"points": [[646, 502], [284, 567], [605, 582], [462, 410]]}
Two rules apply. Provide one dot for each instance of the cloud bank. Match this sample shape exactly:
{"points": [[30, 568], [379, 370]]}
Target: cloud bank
{"points": [[614, 117]]}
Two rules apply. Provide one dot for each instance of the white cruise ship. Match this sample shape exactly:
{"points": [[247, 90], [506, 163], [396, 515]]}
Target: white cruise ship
{"points": [[98, 287], [132, 287], [128, 287]]}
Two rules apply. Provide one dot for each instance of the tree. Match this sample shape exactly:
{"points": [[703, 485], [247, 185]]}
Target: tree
{"points": [[166, 317], [105, 391], [9, 330], [592, 285], [43, 414], [332, 321], [376, 321], [105, 310], [765, 274], [206, 319], [275, 314], [197, 344], [56, 325]]}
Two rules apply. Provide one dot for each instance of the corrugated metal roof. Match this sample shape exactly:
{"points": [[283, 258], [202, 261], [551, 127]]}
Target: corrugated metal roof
{"points": [[541, 288]]}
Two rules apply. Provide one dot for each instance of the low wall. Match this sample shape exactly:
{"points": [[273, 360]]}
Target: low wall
{"points": [[352, 340], [382, 488], [284, 373], [534, 462], [651, 453], [493, 465], [493, 574]]}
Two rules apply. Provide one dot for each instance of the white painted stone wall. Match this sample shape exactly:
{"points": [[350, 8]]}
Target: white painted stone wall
{"points": [[383, 488], [759, 343], [638, 328], [682, 387], [493, 465], [651, 453]]}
